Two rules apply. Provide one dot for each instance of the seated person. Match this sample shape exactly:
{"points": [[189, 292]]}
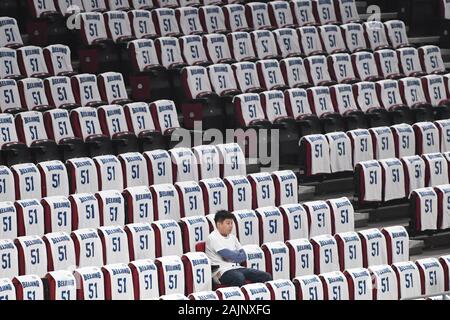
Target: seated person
{"points": [[226, 254]]}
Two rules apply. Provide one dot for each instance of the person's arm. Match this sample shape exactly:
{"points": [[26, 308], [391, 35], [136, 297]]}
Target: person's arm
{"points": [[236, 256]]}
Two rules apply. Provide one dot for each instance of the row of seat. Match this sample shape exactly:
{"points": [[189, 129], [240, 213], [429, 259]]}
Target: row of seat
{"points": [[33, 255], [378, 182], [340, 152], [404, 280], [137, 280]]}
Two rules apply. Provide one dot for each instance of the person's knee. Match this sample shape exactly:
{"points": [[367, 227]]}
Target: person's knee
{"points": [[233, 279], [258, 276], [265, 276]]}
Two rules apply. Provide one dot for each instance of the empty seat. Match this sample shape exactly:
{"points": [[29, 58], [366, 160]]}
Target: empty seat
{"points": [[431, 59], [166, 203], [427, 138], [316, 160], [94, 6], [322, 106], [30, 218], [164, 114], [270, 224], [344, 103], [27, 181], [57, 214], [208, 161], [171, 277], [32, 62], [257, 15], [141, 241], [109, 172], [241, 46], [341, 69], [424, 204], [32, 94], [91, 283], [346, 11], [93, 28], [369, 184], [277, 259], [169, 52], [9, 254], [184, 165], [58, 59], [436, 94], [59, 92], [139, 204], [235, 19], [216, 48], [195, 230], [9, 29], [303, 12], [404, 140], [255, 291], [85, 211], [118, 26], [246, 227], [88, 248], [82, 175], [270, 75], [191, 199], [197, 272], [141, 24], [159, 167], [60, 251], [294, 73], [8, 290], [9, 67], [335, 286], [431, 275], [112, 208], [239, 193], [230, 293], [165, 22], [134, 169], [193, 50], [54, 178], [414, 168], [414, 97], [264, 44], [115, 244], [409, 62], [112, 88], [349, 250], [332, 40], [86, 91], [287, 42], [319, 216], [365, 66], [308, 287], [310, 41], [215, 195], [29, 287], [280, 14], [396, 32], [33, 256], [397, 244], [382, 142], [376, 35], [388, 64], [212, 19], [324, 11], [317, 71], [408, 279], [385, 286], [359, 284], [393, 179], [118, 282], [144, 279], [326, 257], [222, 80], [121, 5], [436, 169], [342, 215], [263, 189], [247, 77], [373, 247], [188, 20], [388, 92]]}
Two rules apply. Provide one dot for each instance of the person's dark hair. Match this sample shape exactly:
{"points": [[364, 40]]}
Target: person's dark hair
{"points": [[222, 215]]}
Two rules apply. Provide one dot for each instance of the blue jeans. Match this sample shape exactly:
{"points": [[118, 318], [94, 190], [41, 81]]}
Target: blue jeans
{"points": [[238, 277]]}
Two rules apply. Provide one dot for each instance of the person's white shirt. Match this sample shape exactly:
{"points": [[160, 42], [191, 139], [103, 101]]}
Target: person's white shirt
{"points": [[217, 242]]}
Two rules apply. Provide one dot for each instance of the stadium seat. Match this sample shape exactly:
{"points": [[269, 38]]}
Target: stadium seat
{"points": [[216, 48], [271, 227], [215, 195], [10, 29], [408, 279], [207, 158], [142, 26], [281, 289], [308, 287], [442, 192], [115, 245], [409, 62], [165, 22], [431, 276], [134, 169], [335, 286], [85, 211], [241, 46], [188, 20], [230, 293], [88, 248], [144, 279], [58, 60], [342, 215], [365, 66], [255, 258], [382, 142], [322, 105], [27, 181], [32, 94], [359, 284], [118, 26], [212, 19], [235, 19], [171, 277], [85, 90], [166, 203], [10, 98], [159, 167], [353, 35], [96, 6], [303, 12], [344, 103], [60, 251], [295, 221], [195, 230], [9, 67], [397, 244], [30, 218], [385, 286], [270, 75], [255, 291], [91, 283], [431, 59], [287, 42], [112, 208], [197, 268], [82, 175], [388, 64], [191, 199], [109, 173], [310, 41], [9, 253], [246, 227], [280, 14], [368, 183], [324, 12], [393, 179], [373, 247], [349, 250], [29, 287], [326, 258], [277, 259], [285, 183], [264, 44], [203, 296], [141, 241], [57, 214], [118, 282], [168, 238], [341, 70], [427, 137], [414, 169], [314, 156], [193, 51], [332, 40], [54, 178], [317, 70], [396, 32], [7, 289], [112, 88], [32, 256], [435, 92], [413, 96], [444, 133], [257, 15], [389, 96], [59, 92]]}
